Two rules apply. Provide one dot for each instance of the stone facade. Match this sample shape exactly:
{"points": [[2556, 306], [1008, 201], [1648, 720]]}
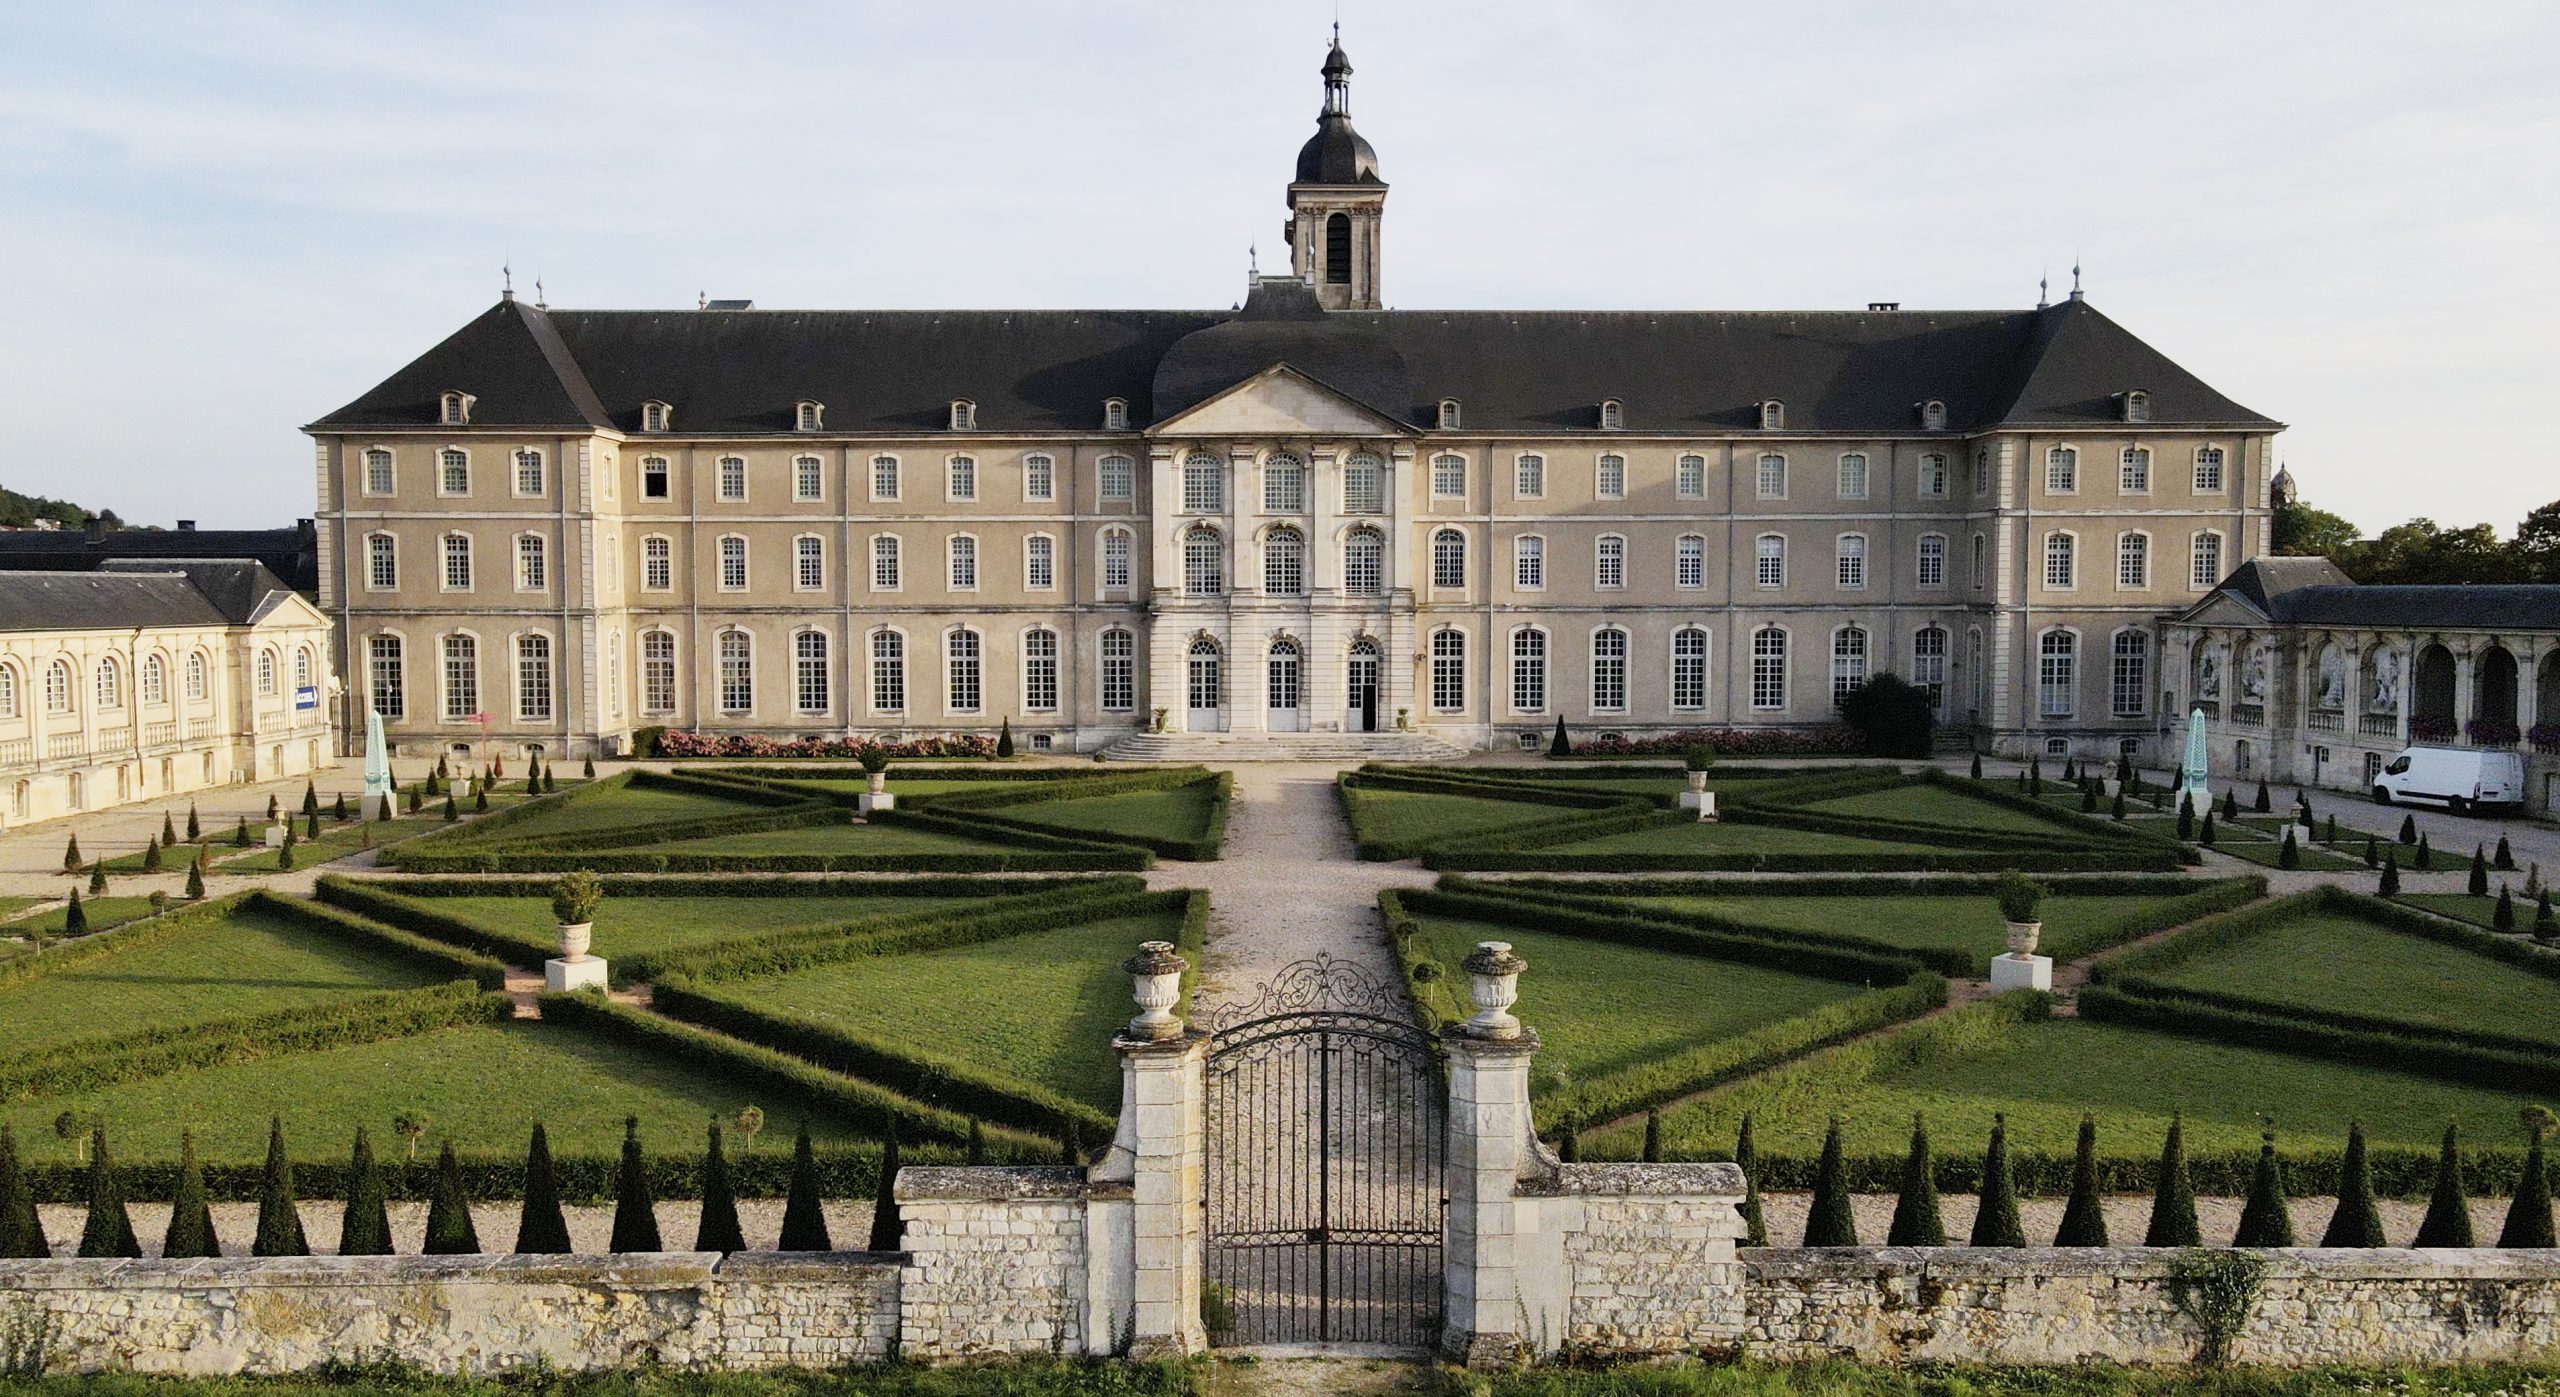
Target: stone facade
{"points": [[2042, 1306], [1639, 1259], [997, 1261]]}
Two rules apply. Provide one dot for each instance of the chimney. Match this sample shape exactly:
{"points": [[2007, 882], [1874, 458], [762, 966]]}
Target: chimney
{"points": [[186, 526], [94, 527], [305, 530], [1884, 305]]}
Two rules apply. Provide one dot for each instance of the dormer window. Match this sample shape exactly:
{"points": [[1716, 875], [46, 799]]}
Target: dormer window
{"points": [[454, 410], [964, 415], [1613, 415], [656, 416], [1933, 416], [809, 416], [1773, 416], [2137, 405], [1449, 417], [1115, 414]]}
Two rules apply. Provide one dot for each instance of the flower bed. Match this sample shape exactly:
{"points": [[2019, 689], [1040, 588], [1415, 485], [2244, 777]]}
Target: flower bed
{"points": [[1831, 739], [973, 746]]}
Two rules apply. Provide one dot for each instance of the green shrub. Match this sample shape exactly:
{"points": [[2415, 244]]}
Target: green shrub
{"points": [[21, 1230], [2425, 858], [151, 855], [2448, 1219], [719, 1229], [2035, 776], [2478, 883], [2290, 855], [279, 1224], [75, 918], [364, 1228], [2173, 1198], [635, 1211], [2528, 1221], [2204, 834], [2084, 1219], [1746, 1156], [2264, 1219], [107, 1230], [2505, 859], [1828, 1222], [2263, 804], [575, 897], [1995, 1216], [1004, 738], [2504, 917], [541, 1228], [2356, 1222], [338, 813], [449, 1229], [2389, 886], [2371, 858], [888, 1229], [1651, 1153], [804, 1218], [1976, 771], [1893, 718], [97, 877], [195, 829], [1916, 1222], [587, 767], [1560, 745], [2018, 896]]}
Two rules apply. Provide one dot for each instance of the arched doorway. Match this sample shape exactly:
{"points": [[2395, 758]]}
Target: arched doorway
{"points": [[2431, 697], [1285, 693], [2493, 703], [1206, 688], [1360, 690]]}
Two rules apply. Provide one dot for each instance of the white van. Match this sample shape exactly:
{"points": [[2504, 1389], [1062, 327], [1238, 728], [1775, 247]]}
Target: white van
{"points": [[2454, 777]]}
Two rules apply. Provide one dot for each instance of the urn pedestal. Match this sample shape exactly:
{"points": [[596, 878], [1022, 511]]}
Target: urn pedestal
{"points": [[878, 797], [2022, 968], [574, 969]]}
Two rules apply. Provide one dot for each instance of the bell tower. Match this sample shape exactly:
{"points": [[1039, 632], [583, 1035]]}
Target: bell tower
{"points": [[1337, 200]]}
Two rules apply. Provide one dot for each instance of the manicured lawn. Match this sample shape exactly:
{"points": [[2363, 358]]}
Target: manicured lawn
{"points": [[2331, 961], [1397, 816], [1180, 813], [338, 841], [1738, 837], [245, 963], [621, 808], [2044, 1075], [631, 926], [1937, 805], [1600, 1007], [2265, 853], [2476, 910], [1040, 1007], [1971, 922], [103, 912], [484, 1086], [11, 906], [834, 839], [1721, 781]]}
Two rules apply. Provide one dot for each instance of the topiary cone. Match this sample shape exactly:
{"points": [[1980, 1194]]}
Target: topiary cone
{"points": [[2529, 1213], [2503, 916], [2478, 883], [107, 1231], [449, 1229], [1995, 1214], [2084, 1218], [2264, 1219], [97, 877], [804, 1218], [2356, 1223], [719, 1230], [541, 1228], [2173, 1199], [2389, 886], [1829, 1223], [364, 1229], [975, 1151], [2426, 858], [21, 1230], [1652, 1151], [195, 831], [279, 1222], [72, 863], [2448, 1219], [635, 1210], [1746, 1153], [190, 1212], [888, 1229], [195, 882], [75, 918], [2505, 859], [1915, 1211]]}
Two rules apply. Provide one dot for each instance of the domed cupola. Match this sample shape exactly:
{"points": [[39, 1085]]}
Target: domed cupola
{"points": [[1336, 200]]}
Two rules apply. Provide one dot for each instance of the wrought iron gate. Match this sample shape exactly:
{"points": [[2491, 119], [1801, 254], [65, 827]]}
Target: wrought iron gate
{"points": [[1324, 1192]]}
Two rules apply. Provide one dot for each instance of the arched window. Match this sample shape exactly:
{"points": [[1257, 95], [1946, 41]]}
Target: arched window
{"points": [[2133, 560], [1529, 563], [1119, 477], [1850, 562], [656, 416], [529, 471], [1931, 560], [1929, 662], [1337, 249], [1529, 477], [1205, 685], [737, 652], [962, 671], [1613, 415], [453, 471], [1115, 414], [733, 563], [1689, 668], [2208, 470], [533, 571], [1449, 476], [1364, 484], [1364, 553], [457, 562], [266, 674], [1769, 560], [1611, 481], [1933, 416], [1773, 416], [2133, 470], [809, 416], [1204, 562], [301, 668], [1040, 670], [2061, 566], [533, 677], [1284, 485], [1771, 476], [657, 672], [1981, 562], [2061, 470], [812, 675], [808, 473], [888, 672], [1039, 563], [961, 477], [1933, 476], [1689, 478], [381, 562], [1853, 476], [2205, 569], [884, 477], [1117, 546], [1689, 561], [1768, 669], [57, 687], [111, 680], [461, 677], [1204, 483], [196, 675], [1119, 671], [8, 692], [653, 478], [1848, 662], [1450, 418], [1608, 670], [378, 476], [884, 562], [1284, 563], [1528, 671], [2057, 673], [1609, 562], [1448, 670], [2129, 674], [386, 677], [657, 564], [963, 557], [808, 563], [155, 680], [2137, 406], [1448, 558], [733, 478]]}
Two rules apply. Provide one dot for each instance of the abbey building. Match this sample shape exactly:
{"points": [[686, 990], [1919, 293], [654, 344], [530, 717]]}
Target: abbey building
{"points": [[1308, 513]]}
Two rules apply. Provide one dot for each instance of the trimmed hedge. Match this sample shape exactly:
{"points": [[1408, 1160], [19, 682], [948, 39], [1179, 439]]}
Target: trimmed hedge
{"points": [[2479, 1060], [2216, 932], [1603, 813], [741, 887], [1545, 861], [799, 948], [984, 811], [1658, 934], [486, 971]]}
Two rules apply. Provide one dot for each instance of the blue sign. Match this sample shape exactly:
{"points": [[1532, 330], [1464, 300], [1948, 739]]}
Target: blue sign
{"points": [[306, 697]]}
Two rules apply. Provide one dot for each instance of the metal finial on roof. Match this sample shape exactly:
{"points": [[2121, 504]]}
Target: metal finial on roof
{"points": [[2075, 278], [539, 301], [507, 282], [701, 300], [1252, 260], [2044, 290]]}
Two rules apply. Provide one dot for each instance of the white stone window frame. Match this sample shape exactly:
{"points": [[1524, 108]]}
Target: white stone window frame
{"points": [[1921, 560], [446, 704], [155, 677], [381, 545], [962, 569], [1689, 476], [649, 694], [1613, 415], [801, 669], [108, 677], [1935, 475], [721, 554], [1933, 415], [1103, 661], [516, 462], [664, 469], [1450, 415], [374, 690], [12, 691], [1773, 415], [444, 466], [364, 471], [1115, 414], [517, 673], [952, 660], [1849, 562], [196, 678], [2062, 469], [61, 688], [1513, 669], [2070, 556], [453, 408], [1980, 562], [2130, 459], [2139, 542], [1025, 643], [1609, 475], [885, 465], [1284, 476], [1529, 475], [1762, 466], [1529, 562], [445, 559], [723, 693], [1449, 476], [802, 545], [1863, 485], [876, 667], [1763, 577], [1364, 504], [1705, 657], [1609, 563], [2140, 687], [1033, 564], [808, 478], [1981, 471], [1597, 663], [1202, 483], [538, 555], [809, 415], [2200, 576], [1784, 688], [894, 554], [964, 415], [2042, 686], [1125, 467], [2212, 457], [723, 478], [657, 415], [1105, 588], [1445, 541], [1850, 668], [1039, 478], [1444, 655], [1685, 550], [1275, 557], [668, 544], [1355, 582]]}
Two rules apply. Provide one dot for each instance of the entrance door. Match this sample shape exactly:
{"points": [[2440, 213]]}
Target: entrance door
{"points": [[1361, 693], [1282, 671], [1207, 712]]}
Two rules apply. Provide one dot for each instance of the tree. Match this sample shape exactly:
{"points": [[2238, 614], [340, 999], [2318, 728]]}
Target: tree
{"points": [[2478, 884], [2204, 832], [2529, 1213], [2544, 923], [1995, 1214], [2263, 804], [2290, 855], [190, 1212], [97, 877], [1915, 1211], [2448, 1220], [888, 1229], [480, 799], [719, 1229], [1004, 738], [168, 830], [2504, 917], [2389, 886], [2264, 1219], [2084, 1221], [635, 1211], [2186, 817], [21, 1230], [2408, 829], [804, 1216], [1829, 1223], [452, 809], [364, 1228], [2505, 859], [2035, 776], [107, 1231], [279, 1222], [284, 856], [449, 1229], [1560, 745], [2173, 1199], [311, 825], [195, 830], [2356, 1223], [310, 798], [75, 918], [2116, 811], [1651, 1153], [2230, 804], [1746, 1155], [384, 814], [2372, 859], [2426, 857], [2536, 549], [550, 778], [1893, 718], [541, 1228], [2298, 530]]}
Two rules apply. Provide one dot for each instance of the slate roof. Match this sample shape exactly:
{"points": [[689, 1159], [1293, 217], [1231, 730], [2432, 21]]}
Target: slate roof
{"points": [[895, 372], [2314, 592], [291, 554], [98, 601], [239, 588]]}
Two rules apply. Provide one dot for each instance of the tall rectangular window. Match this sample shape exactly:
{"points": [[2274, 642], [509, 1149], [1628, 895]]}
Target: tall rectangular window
{"points": [[2061, 470], [2060, 567], [1768, 669], [533, 569], [1853, 476], [653, 478], [1529, 671], [533, 677], [2057, 673], [1933, 476], [1364, 484], [811, 673], [1612, 477], [1981, 562], [1039, 563], [457, 562], [1364, 563], [1284, 485], [1119, 478], [1204, 483], [1529, 563], [733, 564], [1609, 670], [733, 478], [2208, 470], [884, 477], [1851, 562], [964, 563], [378, 478], [1119, 671], [888, 672], [453, 472], [884, 562], [1688, 668], [1929, 662], [1609, 566], [964, 478], [1932, 556], [2133, 561], [1848, 663], [2129, 674], [808, 478], [1040, 671], [1449, 477], [529, 472], [809, 563], [1769, 561], [657, 565], [1690, 566], [381, 562], [1448, 671], [2206, 568], [737, 672], [1771, 477], [1115, 559], [961, 673], [461, 677], [1689, 478], [1039, 478], [657, 672], [1529, 477], [2133, 471], [386, 677]]}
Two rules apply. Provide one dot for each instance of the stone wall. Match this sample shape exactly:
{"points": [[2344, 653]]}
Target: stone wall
{"points": [[450, 1314], [2041, 1305], [996, 1261], [1631, 1258]]}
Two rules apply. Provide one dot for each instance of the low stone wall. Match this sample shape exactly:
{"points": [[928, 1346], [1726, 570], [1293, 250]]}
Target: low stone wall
{"points": [[1631, 1258], [997, 1261], [2046, 1305], [450, 1314]]}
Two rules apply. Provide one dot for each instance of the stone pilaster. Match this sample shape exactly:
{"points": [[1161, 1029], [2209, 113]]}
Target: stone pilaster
{"points": [[1160, 1152], [1491, 1144]]}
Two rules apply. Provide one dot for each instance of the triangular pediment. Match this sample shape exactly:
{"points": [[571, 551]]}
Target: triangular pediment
{"points": [[2223, 609], [1279, 402]]}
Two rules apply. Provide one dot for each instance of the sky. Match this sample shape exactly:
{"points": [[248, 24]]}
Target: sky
{"points": [[222, 220]]}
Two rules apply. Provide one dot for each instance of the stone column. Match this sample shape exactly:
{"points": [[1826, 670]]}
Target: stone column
{"points": [[2465, 693], [2408, 690], [1158, 1152], [1491, 1144]]}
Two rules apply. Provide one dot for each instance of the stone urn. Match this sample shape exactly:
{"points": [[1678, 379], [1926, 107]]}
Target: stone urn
{"points": [[2022, 937], [1698, 782], [1155, 982], [575, 938], [1493, 975], [879, 783]]}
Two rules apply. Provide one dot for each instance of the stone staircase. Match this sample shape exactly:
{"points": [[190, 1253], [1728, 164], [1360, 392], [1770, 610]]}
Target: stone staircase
{"points": [[1347, 748]]}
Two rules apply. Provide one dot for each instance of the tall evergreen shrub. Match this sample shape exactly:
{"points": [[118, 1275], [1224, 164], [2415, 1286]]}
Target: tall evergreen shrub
{"points": [[190, 1212], [2505, 859], [279, 1222], [2084, 1219], [804, 1218], [2173, 1199], [2356, 1223], [541, 1228], [21, 1230], [75, 918], [1560, 745], [2448, 1220], [2426, 856], [2504, 917], [449, 1229], [107, 1231], [888, 1229], [2389, 886], [2478, 883], [1004, 738], [2529, 1212], [2290, 854], [1746, 1153], [195, 830], [1652, 1151], [2265, 1221], [719, 1229], [2204, 832], [1995, 1214], [635, 1210], [2408, 829], [1829, 1222], [72, 863], [364, 1228], [1976, 771], [1916, 1222], [2263, 804], [151, 855], [97, 877]]}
